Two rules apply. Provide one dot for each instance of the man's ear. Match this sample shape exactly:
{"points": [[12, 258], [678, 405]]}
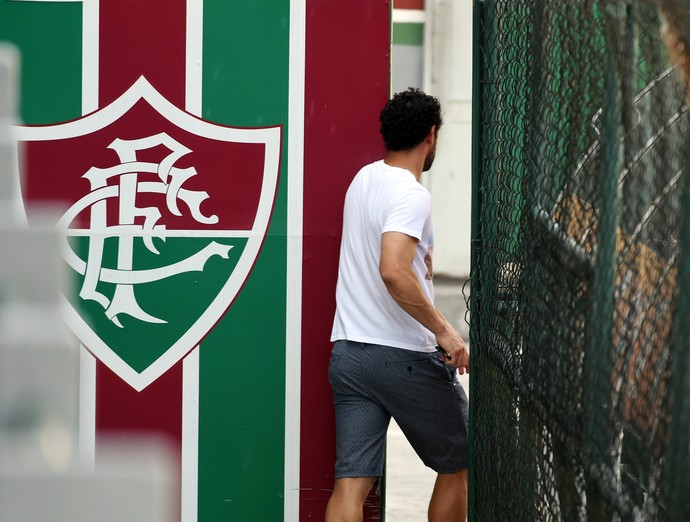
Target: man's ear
{"points": [[433, 133]]}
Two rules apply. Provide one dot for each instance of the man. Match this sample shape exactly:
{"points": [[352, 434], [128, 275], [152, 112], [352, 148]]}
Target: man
{"points": [[386, 329]]}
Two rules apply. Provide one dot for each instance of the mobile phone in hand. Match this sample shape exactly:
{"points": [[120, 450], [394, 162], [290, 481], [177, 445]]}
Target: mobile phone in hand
{"points": [[443, 352]]}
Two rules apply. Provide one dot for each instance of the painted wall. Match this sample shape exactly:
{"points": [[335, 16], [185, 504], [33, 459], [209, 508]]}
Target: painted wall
{"points": [[200, 150], [432, 49], [449, 76]]}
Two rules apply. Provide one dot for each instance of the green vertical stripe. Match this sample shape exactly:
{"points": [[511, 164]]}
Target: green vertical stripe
{"points": [[408, 34], [242, 372], [48, 35], [245, 76]]}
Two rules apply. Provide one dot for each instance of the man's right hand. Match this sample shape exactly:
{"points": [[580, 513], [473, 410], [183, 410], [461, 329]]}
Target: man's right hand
{"points": [[451, 341]]}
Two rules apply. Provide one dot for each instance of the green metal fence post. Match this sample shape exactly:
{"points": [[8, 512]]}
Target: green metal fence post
{"points": [[597, 362], [475, 251], [678, 470]]}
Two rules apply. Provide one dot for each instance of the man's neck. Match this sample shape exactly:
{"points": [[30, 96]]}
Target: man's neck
{"points": [[410, 160]]}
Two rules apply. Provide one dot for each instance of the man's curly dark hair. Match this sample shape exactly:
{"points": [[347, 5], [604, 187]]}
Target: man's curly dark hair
{"points": [[407, 119]]}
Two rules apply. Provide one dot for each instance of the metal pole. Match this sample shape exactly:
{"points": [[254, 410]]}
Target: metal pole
{"points": [[475, 249]]}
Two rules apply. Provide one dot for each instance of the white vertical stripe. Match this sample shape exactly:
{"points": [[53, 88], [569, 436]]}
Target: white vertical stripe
{"points": [[190, 436], [89, 103], [89, 52], [87, 407], [194, 55], [428, 49], [295, 169], [190, 366]]}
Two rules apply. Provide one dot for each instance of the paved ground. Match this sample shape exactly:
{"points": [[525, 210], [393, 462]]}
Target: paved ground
{"points": [[409, 482]]}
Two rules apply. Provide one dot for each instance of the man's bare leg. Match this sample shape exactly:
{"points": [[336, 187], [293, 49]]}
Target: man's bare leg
{"points": [[449, 499], [347, 500]]}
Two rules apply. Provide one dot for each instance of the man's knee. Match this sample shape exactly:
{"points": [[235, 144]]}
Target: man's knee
{"points": [[452, 484], [461, 478], [355, 488], [347, 500], [449, 499]]}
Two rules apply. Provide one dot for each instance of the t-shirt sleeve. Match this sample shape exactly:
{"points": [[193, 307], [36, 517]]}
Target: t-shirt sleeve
{"points": [[408, 213]]}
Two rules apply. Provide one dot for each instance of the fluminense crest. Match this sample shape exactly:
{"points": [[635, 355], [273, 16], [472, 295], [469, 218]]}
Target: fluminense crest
{"points": [[152, 185]]}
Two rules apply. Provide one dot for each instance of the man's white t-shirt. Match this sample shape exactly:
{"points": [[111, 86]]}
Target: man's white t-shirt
{"points": [[382, 199]]}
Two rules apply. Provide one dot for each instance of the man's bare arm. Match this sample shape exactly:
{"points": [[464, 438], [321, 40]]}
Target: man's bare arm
{"points": [[397, 253]]}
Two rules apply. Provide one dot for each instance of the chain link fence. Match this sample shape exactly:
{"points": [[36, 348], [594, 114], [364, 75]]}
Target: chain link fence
{"points": [[580, 290]]}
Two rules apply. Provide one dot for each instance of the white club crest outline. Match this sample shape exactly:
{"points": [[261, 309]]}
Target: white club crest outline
{"points": [[269, 136]]}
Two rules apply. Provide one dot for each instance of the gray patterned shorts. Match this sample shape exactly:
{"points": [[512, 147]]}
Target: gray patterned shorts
{"points": [[372, 383]]}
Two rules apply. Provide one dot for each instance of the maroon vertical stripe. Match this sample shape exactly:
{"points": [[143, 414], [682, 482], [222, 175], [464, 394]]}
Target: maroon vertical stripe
{"points": [[141, 38], [347, 83], [121, 410]]}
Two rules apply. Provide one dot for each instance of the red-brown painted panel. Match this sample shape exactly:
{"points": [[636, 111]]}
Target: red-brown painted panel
{"points": [[347, 83]]}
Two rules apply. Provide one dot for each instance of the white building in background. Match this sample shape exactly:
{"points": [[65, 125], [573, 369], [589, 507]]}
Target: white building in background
{"points": [[432, 50]]}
